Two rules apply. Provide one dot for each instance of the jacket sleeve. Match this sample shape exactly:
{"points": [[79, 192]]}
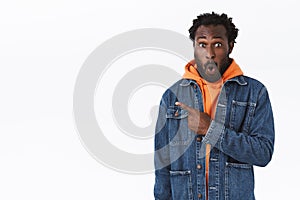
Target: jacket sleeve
{"points": [[162, 190], [256, 147]]}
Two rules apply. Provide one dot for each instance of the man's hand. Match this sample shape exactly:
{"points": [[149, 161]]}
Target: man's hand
{"points": [[197, 121]]}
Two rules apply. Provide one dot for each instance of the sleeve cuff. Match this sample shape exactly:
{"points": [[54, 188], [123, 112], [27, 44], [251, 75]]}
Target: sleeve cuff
{"points": [[214, 133]]}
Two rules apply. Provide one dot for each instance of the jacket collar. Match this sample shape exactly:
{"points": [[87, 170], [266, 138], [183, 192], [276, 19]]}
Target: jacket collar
{"points": [[238, 79]]}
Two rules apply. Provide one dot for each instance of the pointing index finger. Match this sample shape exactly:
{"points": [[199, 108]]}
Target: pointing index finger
{"points": [[182, 105]]}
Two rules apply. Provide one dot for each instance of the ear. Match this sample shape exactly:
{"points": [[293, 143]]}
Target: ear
{"points": [[231, 45]]}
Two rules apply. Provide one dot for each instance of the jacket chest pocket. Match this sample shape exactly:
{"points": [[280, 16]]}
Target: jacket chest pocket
{"points": [[178, 126], [241, 115]]}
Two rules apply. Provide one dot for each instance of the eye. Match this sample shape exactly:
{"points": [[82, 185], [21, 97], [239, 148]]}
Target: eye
{"points": [[202, 45], [218, 44]]}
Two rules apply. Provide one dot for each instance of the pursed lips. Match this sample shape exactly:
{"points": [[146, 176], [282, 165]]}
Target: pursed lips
{"points": [[210, 66]]}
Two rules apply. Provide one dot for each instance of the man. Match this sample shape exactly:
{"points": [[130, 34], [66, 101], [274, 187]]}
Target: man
{"points": [[214, 124]]}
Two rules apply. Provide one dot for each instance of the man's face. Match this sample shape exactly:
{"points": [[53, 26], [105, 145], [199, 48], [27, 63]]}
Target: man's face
{"points": [[211, 51]]}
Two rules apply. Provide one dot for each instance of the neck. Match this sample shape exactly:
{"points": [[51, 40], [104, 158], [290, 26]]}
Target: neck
{"points": [[225, 67]]}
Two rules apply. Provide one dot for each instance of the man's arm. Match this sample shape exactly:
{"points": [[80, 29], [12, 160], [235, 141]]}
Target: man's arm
{"points": [[162, 189], [255, 148]]}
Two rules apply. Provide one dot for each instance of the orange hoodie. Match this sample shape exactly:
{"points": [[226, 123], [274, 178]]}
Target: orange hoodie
{"points": [[210, 94]]}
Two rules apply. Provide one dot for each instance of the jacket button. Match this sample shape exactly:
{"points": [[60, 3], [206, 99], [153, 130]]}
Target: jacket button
{"points": [[195, 86], [199, 139], [199, 196], [199, 166]]}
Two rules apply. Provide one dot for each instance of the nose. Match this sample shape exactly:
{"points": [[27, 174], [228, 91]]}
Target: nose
{"points": [[210, 53]]}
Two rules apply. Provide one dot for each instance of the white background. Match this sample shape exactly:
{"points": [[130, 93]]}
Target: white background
{"points": [[43, 45]]}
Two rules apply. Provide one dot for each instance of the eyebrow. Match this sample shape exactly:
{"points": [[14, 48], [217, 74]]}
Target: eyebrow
{"points": [[204, 37]]}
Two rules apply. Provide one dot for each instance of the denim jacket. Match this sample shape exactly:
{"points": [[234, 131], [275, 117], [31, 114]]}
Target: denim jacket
{"points": [[241, 136]]}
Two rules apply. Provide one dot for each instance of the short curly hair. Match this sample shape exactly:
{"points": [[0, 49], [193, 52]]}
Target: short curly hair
{"points": [[215, 19]]}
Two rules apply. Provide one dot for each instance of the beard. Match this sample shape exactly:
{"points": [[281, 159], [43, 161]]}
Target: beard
{"points": [[212, 71]]}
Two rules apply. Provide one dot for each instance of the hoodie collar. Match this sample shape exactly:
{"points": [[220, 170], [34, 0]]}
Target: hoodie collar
{"points": [[232, 74]]}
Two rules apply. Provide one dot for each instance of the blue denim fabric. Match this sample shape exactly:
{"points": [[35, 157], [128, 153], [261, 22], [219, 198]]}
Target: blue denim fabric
{"points": [[241, 136]]}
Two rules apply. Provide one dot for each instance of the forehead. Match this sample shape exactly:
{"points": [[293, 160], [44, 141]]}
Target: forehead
{"points": [[213, 31]]}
